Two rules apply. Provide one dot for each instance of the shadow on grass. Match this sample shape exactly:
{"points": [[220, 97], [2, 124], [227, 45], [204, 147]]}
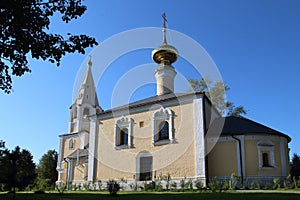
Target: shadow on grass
{"points": [[152, 196]]}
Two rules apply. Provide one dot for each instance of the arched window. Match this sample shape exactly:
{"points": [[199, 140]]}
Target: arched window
{"points": [[163, 133], [265, 159], [163, 127], [71, 144], [123, 137], [123, 133]]}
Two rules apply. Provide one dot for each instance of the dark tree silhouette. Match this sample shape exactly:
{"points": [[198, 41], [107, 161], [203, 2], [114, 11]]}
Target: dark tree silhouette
{"points": [[25, 31], [46, 170], [17, 169], [295, 166]]}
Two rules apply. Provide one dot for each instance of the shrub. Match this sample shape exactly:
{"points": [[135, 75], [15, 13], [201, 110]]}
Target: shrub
{"points": [[159, 187], [113, 187], [276, 182], [182, 184], [214, 185], [225, 185], [168, 179], [199, 185], [44, 184], [86, 186], [288, 183], [234, 181], [174, 185], [134, 186], [189, 184], [61, 187], [99, 185], [269, 186]]}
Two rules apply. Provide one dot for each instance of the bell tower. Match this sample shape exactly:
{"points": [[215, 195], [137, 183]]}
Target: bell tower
{"points": [[164, 55], [86, 103]]}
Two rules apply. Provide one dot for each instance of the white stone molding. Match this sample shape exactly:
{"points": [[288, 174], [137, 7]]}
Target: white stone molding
{"points": [[163, 114], [265, 146], [60, 151], [93, 141], [79, 118], [199, 140], [121, 123]]}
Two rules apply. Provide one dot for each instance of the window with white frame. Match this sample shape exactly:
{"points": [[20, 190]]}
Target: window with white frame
{"points": [[266, 157], [123, 133], [71, 144], [163, 128]]}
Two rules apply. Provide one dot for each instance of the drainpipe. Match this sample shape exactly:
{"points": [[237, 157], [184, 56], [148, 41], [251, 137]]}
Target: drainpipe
{"points": [[241, 161]]}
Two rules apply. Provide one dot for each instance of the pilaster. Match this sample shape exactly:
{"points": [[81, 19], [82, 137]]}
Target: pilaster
{"points": [[92, 148]]}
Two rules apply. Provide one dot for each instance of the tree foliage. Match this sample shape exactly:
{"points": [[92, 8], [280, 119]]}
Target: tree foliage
{"points": [[25, 31], [46, 170], [17, 168], [216, 92], [295, 166]]}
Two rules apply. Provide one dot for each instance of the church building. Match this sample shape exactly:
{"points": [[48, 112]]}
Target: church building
{"points": [[180, 134]]}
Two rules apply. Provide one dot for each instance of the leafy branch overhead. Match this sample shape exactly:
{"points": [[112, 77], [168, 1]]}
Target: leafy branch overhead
{"points": [[25, 31], [216, 91]]}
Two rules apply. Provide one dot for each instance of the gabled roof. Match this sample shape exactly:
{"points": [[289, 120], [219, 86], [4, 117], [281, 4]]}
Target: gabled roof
{"points": [[241, 126], [152, 100]]}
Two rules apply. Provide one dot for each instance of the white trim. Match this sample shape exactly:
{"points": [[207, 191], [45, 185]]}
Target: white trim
{"points": [[260, 136], [79, 118], [92, 148], [199, 139], [83, 137], [60, 152], [163, 114], [174, 102], [265, 146], [124, 122]]}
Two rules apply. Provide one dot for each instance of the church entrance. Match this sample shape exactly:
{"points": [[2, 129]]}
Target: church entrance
{"points": [[144, 166]]}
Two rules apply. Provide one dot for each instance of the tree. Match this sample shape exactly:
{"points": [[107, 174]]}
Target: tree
{"points": [[46, 170], [25, 31], [295, 166], [2, 144], [17, 168], [216, 91]]}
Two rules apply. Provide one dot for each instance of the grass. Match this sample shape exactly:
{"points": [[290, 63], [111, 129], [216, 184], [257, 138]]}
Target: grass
{"points": [[152, 196]]}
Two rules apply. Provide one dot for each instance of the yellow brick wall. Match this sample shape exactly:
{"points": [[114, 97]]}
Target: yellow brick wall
{"points": [[170, 158], [222, 160]]}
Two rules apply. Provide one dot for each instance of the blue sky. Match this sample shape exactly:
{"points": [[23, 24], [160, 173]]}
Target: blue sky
{"points": [[255, 45]]}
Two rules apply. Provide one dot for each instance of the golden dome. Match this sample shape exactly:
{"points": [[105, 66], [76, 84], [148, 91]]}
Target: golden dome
{"points": [[165, 53]]}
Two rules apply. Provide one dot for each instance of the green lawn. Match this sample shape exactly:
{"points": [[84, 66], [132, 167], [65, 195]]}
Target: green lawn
{"points": [[153, 196]]}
